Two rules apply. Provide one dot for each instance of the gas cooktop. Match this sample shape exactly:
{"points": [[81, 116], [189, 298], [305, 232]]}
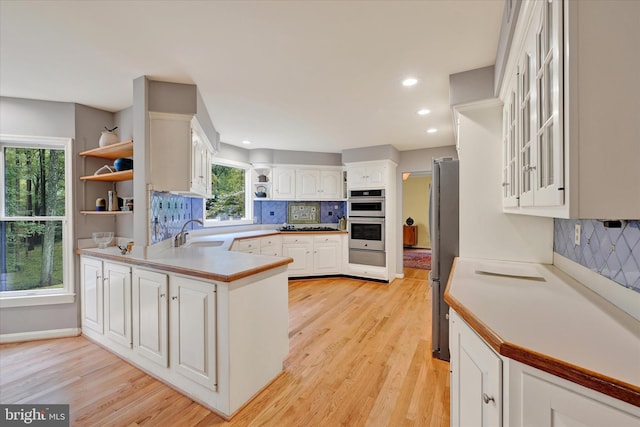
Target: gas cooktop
{"points": [[318, 228]]}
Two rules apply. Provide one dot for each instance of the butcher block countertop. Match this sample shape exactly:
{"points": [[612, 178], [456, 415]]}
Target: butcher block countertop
{"points": [[540, 316]]}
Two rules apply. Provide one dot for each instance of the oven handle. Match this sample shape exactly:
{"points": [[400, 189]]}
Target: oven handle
{"points": [[366, 219], [365, 199]]}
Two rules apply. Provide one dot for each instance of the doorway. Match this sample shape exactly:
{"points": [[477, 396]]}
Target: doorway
{"points": [[415, 219]]}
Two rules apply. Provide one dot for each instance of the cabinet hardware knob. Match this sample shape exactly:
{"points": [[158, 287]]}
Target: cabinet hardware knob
{"points": [[162, 295], [486, 398], [174, 298], [505, 184]]}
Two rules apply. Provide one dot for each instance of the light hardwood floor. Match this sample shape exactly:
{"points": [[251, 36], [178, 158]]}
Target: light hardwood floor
{"points": [[360, 355]]}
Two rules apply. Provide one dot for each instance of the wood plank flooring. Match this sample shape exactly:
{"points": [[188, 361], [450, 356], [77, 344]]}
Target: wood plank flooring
{"points": [[360, 355]]}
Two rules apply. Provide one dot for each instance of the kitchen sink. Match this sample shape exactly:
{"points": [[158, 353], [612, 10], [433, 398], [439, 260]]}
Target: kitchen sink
{"points": [[204, 243]]}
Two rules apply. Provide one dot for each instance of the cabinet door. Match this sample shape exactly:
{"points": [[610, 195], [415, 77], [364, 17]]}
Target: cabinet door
{"points": [[331, 185], [376, 175], [326, 256], [284, 183], [548, 405], [356, 176], [308, 184], [510, 175], [92, 295], [549, 177], [526, 119], [117, 303], [193, 330], [476, 378], [199, 166], [302, 255], [150, 322]]}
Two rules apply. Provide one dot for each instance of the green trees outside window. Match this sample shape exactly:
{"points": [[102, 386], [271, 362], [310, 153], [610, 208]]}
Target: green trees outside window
{"points": [[228, 188], [31, 230]]}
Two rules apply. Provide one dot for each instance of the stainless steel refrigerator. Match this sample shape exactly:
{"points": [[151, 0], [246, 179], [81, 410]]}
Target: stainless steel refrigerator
{"points": [[444, 229]]}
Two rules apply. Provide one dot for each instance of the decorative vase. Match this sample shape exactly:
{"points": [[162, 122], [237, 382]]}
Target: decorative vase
{"points": [[108, 138]]}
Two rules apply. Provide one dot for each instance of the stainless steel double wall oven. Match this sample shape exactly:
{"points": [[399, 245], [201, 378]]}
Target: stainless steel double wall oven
{"points": [[366, 227]]}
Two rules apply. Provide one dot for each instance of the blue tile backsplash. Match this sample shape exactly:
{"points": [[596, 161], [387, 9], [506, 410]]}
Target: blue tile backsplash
{"points": [[612, 252], [275, 211], [169, 212]]}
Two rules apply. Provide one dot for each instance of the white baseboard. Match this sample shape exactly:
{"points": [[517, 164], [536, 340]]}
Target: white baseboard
{"points": [[624, 298], [39, 335]]}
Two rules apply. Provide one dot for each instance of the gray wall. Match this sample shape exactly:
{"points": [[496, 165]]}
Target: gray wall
{"points": [[38, 118], [472, 85], [366, 154]]}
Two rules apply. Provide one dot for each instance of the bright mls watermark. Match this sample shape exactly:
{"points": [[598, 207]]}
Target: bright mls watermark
{"points": [[34, 415]]}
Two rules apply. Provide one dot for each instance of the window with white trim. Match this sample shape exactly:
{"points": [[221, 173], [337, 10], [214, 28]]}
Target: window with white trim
{"points": [[230, 188], [35, 221]]}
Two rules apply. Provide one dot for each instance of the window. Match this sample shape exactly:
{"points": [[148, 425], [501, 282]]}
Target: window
{"points": [[231, 201], [35, 226]]}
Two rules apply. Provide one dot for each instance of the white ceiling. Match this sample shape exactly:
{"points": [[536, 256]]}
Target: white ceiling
{"points": [[294, 75]]}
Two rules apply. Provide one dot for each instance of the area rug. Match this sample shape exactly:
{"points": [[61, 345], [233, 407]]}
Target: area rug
{"points": [[417, 258]]}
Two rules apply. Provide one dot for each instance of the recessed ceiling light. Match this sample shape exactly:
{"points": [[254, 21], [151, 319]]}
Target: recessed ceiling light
{"points": [[423, 111], [246, 142], [409, 81], [432, 130]]}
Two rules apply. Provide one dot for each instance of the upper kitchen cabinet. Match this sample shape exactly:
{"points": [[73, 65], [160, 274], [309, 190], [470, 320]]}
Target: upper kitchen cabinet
{"points": [[369, 174], [180, 155], [570, 94], [319, 184], [284, 183]]}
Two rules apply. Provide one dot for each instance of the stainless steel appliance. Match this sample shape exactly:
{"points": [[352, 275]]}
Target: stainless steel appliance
{"points": [[444, 228], [366, 203], [366, 227]]}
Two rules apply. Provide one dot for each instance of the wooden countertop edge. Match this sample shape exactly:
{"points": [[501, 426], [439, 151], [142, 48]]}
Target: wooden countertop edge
{"points": [[618, 389], [190, 272]]}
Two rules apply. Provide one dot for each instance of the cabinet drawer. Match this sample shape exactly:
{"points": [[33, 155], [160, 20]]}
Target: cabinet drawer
{"points": [[299, 239], [246, 245], [272, 251], [270, 242], [334, 238]]}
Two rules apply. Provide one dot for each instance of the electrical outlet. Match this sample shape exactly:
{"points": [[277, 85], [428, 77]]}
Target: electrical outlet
{"points": [[576, 236]]}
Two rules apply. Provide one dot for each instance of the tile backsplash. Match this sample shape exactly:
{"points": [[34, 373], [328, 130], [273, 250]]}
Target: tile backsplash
{"points": [[169, 212], [275, 211], [611, 252]]}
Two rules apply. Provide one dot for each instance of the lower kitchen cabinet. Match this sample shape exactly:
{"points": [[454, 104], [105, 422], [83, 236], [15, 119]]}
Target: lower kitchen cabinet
{"points": [[117, 303], [150, 316], [106, 299], [313, 254], [476, 378], [491, 390], [92, 294], [192, 330]]}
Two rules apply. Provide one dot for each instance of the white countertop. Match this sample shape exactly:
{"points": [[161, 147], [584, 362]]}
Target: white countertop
{"points": [[556, 316]]}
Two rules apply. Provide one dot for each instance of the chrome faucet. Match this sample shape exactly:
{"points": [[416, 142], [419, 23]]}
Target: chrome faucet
{"points": [[181, 237]]}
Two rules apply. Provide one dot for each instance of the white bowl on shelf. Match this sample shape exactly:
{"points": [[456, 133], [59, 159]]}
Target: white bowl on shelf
{"points": [[102, 238]]}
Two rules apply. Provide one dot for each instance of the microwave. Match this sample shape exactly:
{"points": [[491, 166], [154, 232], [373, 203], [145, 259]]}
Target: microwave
{"points": [[366, 203]]}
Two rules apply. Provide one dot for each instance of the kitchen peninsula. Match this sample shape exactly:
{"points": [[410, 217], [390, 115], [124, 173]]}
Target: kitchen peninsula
{"points": [[210, 322]]}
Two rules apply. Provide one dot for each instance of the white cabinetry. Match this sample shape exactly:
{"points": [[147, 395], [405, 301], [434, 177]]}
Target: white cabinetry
{"points": [[150, 315], [313, 254], [180, 155], [571, 116], [269, 245], [106, 299], [300, 248], [367, 175], [318, 184], [117, 303], [92, 294], [489, 389], [476, 378], [284, 183], [303, 183], [192, 330], [327, 254]]}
